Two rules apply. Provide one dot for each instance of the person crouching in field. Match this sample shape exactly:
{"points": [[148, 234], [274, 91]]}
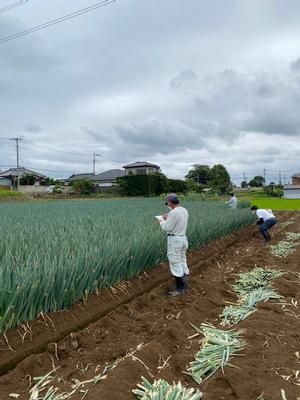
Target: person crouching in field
{"points": [[266, 219], [175, 224]]}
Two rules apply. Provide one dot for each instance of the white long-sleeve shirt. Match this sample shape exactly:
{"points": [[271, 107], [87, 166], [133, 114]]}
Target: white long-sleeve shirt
{"points": [[176, 222], [232, 202], [264, 214]]}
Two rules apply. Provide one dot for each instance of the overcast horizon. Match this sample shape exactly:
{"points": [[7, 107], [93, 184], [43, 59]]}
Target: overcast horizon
{"points": [[169, 82]]}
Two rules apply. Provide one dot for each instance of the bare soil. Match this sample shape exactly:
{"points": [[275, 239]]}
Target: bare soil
{"points": [[137, 322]]}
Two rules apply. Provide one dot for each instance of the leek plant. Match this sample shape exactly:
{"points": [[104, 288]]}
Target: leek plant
{"points": [[42, 391], [162, 390], [218, 347], [53, 254], [235, 313], [292, 236], [252, 287], [285, 247]]}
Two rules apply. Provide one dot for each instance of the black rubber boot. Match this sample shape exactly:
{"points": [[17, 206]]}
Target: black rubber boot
{"points": [[179, 287], [266, 235], [185, 282]]}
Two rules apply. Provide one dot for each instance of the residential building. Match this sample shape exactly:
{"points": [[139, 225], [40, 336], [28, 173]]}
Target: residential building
{"points": [[141, 168], [107, 180], [11, 175], [296, 179], [77, 177], [104, 181], [293, 191]]}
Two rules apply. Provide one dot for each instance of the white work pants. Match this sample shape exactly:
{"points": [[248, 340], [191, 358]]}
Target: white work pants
{"points": [[177, 246]]}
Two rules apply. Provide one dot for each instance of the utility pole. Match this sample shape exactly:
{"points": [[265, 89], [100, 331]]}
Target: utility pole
{"points": [[17, 140], [265, 171], [280, 177], [94, 163]]}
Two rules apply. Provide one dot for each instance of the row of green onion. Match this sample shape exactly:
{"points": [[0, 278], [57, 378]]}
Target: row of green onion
{"points": [[53, 254]]}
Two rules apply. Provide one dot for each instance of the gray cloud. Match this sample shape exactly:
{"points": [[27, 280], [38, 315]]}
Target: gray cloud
{"points": [[157, 137], [33, 128], [173, 83], [186, 81]]}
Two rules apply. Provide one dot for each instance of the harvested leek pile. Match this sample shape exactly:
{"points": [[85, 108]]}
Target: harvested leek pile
{"points": [[252, 287], [162, 390], [285, 247], [218, 346], [292, 236], [235, 313], [255, 279]]}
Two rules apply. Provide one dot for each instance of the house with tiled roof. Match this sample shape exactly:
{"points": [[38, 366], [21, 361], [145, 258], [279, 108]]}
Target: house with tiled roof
{"points": [[9, 177], [104, 181]]}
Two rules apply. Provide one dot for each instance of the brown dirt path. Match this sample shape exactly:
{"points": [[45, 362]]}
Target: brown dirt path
{"points": [[111, 326]]}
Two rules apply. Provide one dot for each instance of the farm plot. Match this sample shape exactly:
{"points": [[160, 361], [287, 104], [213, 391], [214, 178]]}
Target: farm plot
{"points": [[151, 335], [54, 254]]}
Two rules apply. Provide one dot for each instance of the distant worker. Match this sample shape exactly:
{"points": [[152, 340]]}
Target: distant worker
{"points": [[266, 219], [232, 202], [175, 224]]}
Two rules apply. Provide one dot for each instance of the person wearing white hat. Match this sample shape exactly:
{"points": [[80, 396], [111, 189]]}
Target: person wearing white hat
{"points": [[175, 224]]}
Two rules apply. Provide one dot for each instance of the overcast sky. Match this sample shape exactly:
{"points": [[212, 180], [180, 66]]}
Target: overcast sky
{"points": [[172, 82]]}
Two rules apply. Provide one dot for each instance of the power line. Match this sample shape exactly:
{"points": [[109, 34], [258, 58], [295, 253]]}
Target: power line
{"points": [[65, 152], [13, 5], [110, 159], [81, 154], [38, 169], [57, 20], [50, 170]]}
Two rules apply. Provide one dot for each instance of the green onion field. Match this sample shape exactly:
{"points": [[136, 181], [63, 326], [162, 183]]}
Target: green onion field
{"points": [[53, 254]]}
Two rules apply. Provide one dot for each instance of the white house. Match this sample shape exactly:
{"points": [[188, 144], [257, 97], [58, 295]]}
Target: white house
{"points": [[292, 191]]}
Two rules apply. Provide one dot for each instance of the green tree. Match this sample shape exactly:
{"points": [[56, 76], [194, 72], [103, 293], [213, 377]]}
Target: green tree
{"points": [[51, 181], [257, 181], [144, 185], [28, 179], [177, 186], [83, 186], [219, 179], [244, 184], [199, 173]]}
